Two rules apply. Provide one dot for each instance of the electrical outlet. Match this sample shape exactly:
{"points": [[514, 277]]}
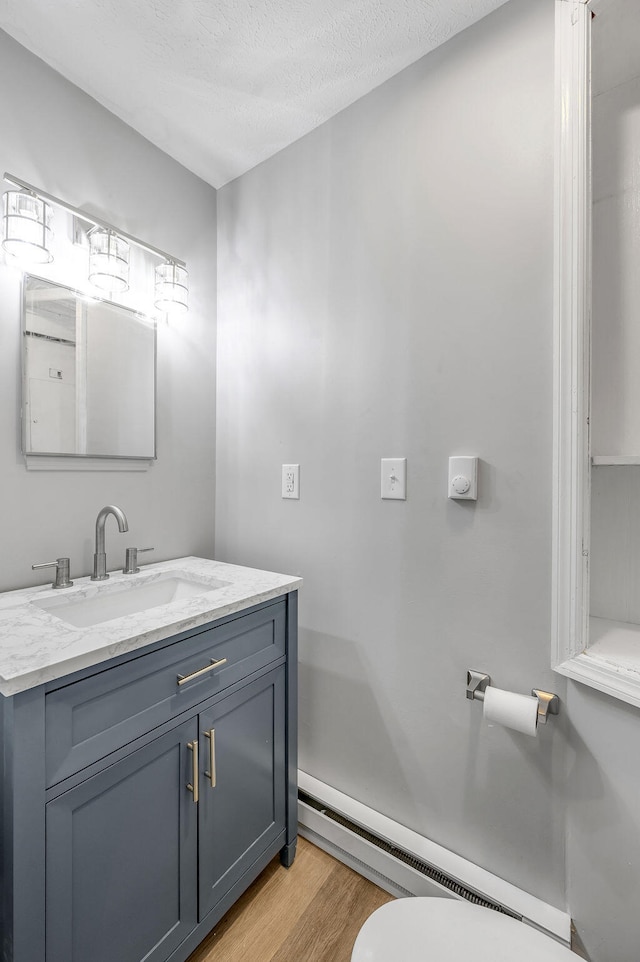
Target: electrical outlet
{"points": [[291, 481]]}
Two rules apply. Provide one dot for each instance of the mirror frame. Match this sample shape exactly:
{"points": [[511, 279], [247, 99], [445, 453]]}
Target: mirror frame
{"points": [[84, 295]]}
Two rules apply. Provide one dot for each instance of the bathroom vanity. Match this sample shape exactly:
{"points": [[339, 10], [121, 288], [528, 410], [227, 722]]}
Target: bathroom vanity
{"points": [[148, 760]]}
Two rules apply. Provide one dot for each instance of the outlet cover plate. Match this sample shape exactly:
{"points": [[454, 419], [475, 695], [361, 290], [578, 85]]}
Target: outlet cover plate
{"points": [[291, 481]]}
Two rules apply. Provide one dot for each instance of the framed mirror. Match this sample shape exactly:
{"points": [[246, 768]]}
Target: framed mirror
{"points": [[89, 375]]}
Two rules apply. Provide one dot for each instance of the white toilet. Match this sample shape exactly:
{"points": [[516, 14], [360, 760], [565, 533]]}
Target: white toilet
{"points": [[448, 930]]}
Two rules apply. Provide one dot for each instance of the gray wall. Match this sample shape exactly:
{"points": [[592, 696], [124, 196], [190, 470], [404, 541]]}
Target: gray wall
{"points": [[56, 137], [385, 290], [603, 824]]}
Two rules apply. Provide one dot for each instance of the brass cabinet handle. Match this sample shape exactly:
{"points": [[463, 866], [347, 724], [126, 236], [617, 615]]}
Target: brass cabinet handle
{"points": [[193, 785], [211, 774], [183, 679]]}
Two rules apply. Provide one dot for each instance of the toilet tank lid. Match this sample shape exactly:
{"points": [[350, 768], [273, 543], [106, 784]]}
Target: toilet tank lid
{"points": [[451, 930]]}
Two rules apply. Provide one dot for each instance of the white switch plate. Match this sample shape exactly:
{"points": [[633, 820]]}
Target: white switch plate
{"points": [[463, 479], [291, 481], [393, 479]]}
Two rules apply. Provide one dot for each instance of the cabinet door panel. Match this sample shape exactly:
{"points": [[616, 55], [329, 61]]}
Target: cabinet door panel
{"points": [[245, 811], [122, 856]]}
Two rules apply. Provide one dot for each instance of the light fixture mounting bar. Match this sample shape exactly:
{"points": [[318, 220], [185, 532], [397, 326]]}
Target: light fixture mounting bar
{"points": [[90, 219]]}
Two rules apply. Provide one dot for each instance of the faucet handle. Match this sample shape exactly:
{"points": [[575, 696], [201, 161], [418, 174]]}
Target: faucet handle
{"points": [[62, 566], [131, 560]]}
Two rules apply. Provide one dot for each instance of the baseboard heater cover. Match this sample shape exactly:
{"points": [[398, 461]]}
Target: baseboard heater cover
{"points": [[385, 856], [429, 871]]}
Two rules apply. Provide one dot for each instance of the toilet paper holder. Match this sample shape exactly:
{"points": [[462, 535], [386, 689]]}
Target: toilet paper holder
{"points": [[548, 703]]}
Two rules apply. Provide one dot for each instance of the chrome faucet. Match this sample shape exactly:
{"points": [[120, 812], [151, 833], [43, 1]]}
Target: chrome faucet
{"points": [[100, 557]]}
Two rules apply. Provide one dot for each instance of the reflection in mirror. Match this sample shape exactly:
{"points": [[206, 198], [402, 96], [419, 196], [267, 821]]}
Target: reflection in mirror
{"points": [[88, 386]]}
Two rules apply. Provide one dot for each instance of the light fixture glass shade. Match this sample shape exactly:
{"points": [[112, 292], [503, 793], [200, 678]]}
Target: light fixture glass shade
{"points": [[108, 260], [26, 230], [172, 288]]}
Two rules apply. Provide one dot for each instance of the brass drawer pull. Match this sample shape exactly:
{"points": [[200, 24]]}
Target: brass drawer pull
{"points": [[211, 774], [183, 679], [193, 785]]}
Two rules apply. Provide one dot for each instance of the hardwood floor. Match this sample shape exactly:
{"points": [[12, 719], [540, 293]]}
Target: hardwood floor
{"points": [[311, 912]]}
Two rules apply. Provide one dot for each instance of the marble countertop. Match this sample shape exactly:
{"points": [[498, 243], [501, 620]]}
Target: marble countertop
{"points": [[37, 647]]}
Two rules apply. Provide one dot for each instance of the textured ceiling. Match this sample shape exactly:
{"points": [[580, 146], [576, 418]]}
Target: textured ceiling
{"points": [[221, 85]]}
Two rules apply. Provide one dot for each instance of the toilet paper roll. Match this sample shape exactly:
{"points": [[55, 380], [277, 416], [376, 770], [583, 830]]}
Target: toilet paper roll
{"points": [[507, 708]]}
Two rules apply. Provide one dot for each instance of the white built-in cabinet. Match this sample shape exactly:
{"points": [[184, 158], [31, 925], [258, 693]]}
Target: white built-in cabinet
{"points": [[596, 611]]}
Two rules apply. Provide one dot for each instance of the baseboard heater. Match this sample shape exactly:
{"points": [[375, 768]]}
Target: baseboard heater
{"points": [[423, 867], [404, 863]]}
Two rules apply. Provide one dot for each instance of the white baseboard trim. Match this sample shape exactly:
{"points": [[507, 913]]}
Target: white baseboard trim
{"points": [[399, 879]]}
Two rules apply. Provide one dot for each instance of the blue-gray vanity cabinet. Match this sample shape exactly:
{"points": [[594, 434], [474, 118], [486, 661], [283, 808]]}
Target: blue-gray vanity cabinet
{"points": [[106, 852], [92, 717], [240, 815], [121, 857]]}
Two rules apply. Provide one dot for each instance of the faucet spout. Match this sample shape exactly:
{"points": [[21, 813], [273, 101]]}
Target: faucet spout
{"points": [[100, 557]]}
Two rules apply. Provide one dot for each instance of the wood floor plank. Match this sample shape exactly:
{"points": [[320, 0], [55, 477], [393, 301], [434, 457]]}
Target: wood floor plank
{"points": [[327, 930], [309, 913], [255, 930]]}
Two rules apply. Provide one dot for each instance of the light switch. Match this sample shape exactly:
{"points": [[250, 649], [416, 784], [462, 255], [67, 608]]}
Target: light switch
{"points": [[463, 479], [393, 479]]}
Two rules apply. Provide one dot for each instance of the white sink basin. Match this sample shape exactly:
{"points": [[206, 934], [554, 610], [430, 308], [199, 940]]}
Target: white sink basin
{"points": [[108, 602]]}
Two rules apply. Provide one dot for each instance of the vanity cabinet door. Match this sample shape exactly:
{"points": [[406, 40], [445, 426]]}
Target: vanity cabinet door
{"points": [[122, 857], [242, 794]]}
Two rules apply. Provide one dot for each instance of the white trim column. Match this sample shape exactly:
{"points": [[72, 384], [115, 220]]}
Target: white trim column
{"points": [[572, 300]]}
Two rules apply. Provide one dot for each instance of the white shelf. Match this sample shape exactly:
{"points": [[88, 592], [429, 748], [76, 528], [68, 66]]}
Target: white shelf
{"points": [[616, 642], [611, 663], [599, 459]]}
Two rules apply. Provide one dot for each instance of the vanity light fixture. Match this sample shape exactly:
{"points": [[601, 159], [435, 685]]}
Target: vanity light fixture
{"points": [[108, 260], [26, 226], [172, 288], [108, 246]]}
